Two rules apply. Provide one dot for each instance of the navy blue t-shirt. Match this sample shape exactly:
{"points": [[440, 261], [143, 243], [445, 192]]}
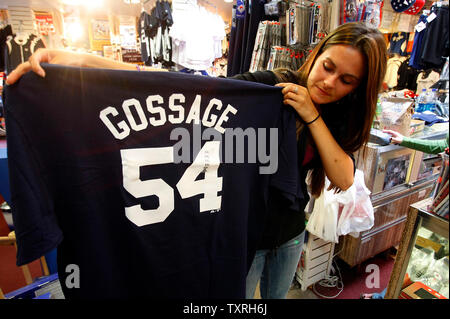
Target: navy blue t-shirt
{"points": [[94, 158]]}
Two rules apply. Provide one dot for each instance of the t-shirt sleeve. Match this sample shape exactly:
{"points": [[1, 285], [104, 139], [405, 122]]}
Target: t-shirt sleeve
{"points": [[286, 180], [35, 225]]}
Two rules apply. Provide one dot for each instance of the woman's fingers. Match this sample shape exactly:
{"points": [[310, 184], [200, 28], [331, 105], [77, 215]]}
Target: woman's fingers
{"points": [[298, 97], [288, 87], [20, 70], [36, 59], [33, 63]]}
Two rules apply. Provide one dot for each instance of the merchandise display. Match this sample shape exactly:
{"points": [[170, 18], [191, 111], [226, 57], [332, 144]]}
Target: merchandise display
{"points": [[415, 7], [121, 183], [401, 5], [426, 267], [196, 36]]}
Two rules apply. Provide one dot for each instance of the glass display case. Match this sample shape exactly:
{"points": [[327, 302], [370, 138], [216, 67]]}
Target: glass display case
{"points": [[421, 268]]}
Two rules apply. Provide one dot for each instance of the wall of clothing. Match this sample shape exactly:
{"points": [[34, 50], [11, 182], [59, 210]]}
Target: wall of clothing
{"points": [[263, 30], [197, 34], [431, 40], [183, 35], [243, 32], [417, 58], [153, 30], [302, 24]]}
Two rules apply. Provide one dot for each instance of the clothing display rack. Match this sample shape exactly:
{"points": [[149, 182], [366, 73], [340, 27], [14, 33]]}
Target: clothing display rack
{"points": [[268, 35], [285, 57], [153, 29]]}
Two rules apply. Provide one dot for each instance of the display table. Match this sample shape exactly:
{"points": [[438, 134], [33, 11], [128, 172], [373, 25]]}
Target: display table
{"points": [[418, 217], [397, 177]]}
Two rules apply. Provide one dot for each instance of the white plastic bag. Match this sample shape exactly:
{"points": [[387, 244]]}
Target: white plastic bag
{"points": [[356, 208], [323, 220], [347, 212]]}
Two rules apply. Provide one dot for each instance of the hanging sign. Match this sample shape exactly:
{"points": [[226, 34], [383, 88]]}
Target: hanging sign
{"points": [[44, 23]]}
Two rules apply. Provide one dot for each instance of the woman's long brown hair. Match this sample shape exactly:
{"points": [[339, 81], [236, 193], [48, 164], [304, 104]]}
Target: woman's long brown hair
{"points": [[356, 110]]}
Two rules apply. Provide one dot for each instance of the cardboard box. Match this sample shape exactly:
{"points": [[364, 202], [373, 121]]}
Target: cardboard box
{"points": [[419, 291], [396, 115]]}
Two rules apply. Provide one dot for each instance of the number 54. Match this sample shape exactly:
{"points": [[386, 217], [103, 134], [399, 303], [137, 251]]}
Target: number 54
{"points": [[207, 161]]}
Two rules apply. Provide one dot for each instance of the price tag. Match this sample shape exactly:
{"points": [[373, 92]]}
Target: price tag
{"points": [[431, 17], [420, 26]]}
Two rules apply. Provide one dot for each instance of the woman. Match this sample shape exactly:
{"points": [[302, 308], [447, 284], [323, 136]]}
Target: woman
{"points": [[335, 98], [334, 94]]}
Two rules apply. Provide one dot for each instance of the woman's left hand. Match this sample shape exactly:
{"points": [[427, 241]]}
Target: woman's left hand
{"points": [[298, 97]]}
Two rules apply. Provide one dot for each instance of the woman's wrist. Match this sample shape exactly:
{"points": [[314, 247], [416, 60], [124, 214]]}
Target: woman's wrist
{"points": [[313, 120]]}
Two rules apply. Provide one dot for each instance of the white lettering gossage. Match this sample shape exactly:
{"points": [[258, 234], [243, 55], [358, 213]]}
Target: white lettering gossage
{"points": [[160, 110], [140, 112], [178, 108], [120, 126], [194, 112], [212, 119]]}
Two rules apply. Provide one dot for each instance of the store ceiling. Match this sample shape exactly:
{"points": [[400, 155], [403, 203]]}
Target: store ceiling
{"points": [[118, 7]]}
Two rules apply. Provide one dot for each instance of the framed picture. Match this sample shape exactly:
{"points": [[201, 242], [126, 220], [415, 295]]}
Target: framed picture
{"points": [[100, 30], [396, 171]]}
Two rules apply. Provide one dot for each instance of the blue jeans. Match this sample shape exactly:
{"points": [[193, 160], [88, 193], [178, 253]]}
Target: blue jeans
{"points": [[275, 269]]}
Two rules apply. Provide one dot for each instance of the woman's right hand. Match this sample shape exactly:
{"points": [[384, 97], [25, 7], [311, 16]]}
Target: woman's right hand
{"points": [[44, 56]]}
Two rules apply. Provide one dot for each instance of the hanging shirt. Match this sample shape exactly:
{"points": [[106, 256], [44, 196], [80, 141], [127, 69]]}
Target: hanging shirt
{"points": [[436, 43], [197, 37], [19, 49], [398, 43], [414, 61], [393, 64], [98, 168], [143, 25], [407, 77]]}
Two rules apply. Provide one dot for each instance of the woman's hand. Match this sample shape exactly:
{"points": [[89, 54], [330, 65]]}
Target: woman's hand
{"points": [[337, 164], [397, 138], [44, 56], [298, 97]]}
